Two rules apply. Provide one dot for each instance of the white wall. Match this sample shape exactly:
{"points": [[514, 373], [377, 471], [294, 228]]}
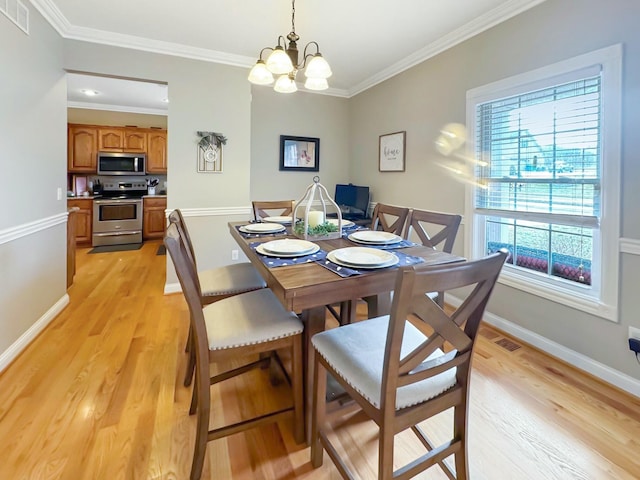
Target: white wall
{"points": [[33, 164], [424, 98]]}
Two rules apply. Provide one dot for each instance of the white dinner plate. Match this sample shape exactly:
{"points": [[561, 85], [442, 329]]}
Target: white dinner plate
{"points": [[363, 257], [262, 228], [262, 250], [289, 246], [374, 237], [345, 223], [282, 219]]}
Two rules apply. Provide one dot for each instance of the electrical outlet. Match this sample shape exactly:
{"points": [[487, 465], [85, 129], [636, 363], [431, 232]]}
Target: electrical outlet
{"points": [[234, 254], [59, 193], [634, 333]]}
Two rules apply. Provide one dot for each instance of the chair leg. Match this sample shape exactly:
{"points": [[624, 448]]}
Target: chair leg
{"points": [[318, 411], [187, 346], [385, 454], [460, 427], [297, 388], [191, 365], [194, 400], [202, 429]]}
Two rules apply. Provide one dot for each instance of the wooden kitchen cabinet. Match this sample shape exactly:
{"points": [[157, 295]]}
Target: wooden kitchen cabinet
{"points": [[82, 149], [157, 151], [83, 221], [135, 140], [111, 139], [154, 220]]}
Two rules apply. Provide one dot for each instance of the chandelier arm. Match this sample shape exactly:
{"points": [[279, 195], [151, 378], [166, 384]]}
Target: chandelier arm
{"points": [[262, 51], [306, 55]]}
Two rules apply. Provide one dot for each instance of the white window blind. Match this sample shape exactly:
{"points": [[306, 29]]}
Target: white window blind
{"points": [[542, 154]]}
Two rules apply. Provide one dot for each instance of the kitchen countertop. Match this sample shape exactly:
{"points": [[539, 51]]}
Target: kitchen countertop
{"points": [[91, 197]]}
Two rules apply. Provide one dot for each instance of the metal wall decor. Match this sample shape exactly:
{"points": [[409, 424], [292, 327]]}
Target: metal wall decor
{"points": [[210, 152]]}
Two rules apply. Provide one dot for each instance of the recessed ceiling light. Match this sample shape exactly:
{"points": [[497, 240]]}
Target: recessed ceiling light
{"points": [[90, 93]]}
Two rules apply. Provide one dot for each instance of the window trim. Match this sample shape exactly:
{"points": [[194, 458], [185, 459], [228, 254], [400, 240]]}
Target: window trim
{"points": [[603, 302]]}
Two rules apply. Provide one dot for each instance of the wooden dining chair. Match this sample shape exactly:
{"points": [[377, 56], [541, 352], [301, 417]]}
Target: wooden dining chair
{"points": [[247, 324], [389, 218], [396, 371], [270, 208], [216, 283], [435, 230]]}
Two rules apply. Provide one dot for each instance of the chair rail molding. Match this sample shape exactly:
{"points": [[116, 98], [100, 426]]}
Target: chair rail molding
{"points": [[19, 231], [630, 245]]}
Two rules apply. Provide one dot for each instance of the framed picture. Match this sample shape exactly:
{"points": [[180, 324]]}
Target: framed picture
{"points": [[391, 152], [299, 153]]}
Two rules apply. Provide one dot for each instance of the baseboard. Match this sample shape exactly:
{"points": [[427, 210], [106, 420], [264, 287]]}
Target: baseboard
{"points": [[172, 288], [11, 353], [573, 358]]}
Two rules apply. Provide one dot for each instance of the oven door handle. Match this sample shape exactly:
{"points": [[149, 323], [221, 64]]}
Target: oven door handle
{"points": [[118, 233], [118, 200]]}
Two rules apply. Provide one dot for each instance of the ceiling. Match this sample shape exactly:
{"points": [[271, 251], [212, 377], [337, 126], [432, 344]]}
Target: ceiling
{"points": [[364, 41]]}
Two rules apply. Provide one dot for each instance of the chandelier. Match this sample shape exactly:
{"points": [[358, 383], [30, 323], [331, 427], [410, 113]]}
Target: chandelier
{"points": [[284, 62]]}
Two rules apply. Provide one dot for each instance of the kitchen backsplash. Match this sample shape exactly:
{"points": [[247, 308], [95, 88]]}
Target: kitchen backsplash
{"points": [[79, 184]]}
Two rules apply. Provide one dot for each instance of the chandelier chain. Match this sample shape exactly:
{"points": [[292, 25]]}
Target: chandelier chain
{"points": [[293, 15]]}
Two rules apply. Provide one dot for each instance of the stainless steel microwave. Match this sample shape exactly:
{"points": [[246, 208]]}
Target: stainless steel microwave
{"points": [[111, 163]]}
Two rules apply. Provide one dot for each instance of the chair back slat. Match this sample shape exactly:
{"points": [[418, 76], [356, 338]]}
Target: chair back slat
{"points": [[389, 218], [269, 208], [446, 224], [457, 327]]}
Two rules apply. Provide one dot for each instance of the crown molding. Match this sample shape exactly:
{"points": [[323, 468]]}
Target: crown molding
{"points": [[54, 16], [118, 108], [478, 25]]}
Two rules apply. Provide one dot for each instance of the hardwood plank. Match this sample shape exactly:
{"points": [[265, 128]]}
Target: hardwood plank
{"points": [[99, 395]]}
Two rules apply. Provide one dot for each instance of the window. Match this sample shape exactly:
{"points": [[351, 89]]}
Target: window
{"points": [[547, 179]]}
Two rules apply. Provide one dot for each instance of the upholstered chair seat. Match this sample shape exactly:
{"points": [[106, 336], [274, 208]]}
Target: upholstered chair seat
{"points": [[356, 353], [248, 319]]}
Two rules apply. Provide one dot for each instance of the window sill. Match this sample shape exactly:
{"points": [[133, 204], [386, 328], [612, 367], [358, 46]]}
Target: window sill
{"points": [[565, 296]]}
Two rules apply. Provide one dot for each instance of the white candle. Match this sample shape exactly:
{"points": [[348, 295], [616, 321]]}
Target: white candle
{"points": [[315, 218]]}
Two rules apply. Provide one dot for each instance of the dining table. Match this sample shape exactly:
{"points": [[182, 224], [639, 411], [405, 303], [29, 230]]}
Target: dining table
{"points": [[307, 288]]}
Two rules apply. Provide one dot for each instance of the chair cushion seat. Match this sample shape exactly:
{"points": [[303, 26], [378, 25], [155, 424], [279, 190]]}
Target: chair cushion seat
{"points": [[230, 279], [356, 352], [247, 319]]}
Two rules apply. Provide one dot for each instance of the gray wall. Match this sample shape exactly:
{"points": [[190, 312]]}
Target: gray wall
{"points": [[424, 98], [302, 115], [33, 149]]}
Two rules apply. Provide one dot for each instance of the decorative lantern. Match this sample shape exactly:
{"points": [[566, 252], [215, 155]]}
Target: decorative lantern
{"points": [[310, 214]]}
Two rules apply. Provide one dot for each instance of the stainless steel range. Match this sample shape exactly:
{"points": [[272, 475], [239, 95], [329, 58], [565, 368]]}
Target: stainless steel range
{"points": [[117, 213]]}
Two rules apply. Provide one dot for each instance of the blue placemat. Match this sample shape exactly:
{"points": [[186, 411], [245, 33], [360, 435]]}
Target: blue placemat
{"points": [[259, 235], [392, 246], [405, 260], [273, 262]]}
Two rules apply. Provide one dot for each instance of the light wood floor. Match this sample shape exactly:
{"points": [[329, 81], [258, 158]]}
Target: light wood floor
{"points": [[97, 396]]}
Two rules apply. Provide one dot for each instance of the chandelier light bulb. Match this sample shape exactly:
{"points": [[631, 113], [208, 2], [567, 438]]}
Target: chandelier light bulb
{"points": [[260, 74], [279, 62], [318, 67], [316, 84], [285, 84]]}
